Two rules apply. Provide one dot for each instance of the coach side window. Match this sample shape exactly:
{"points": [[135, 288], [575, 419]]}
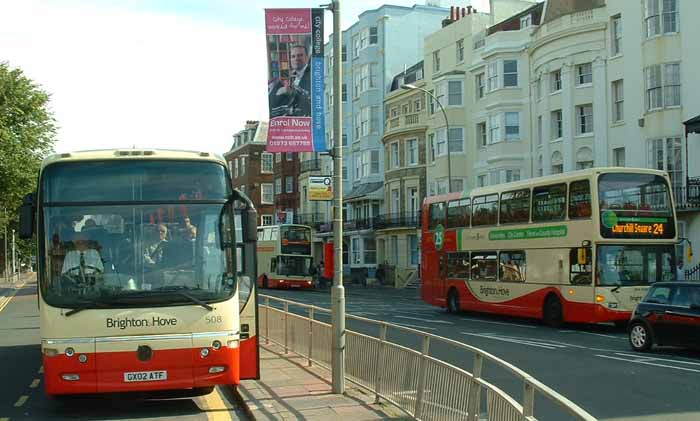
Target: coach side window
{"points": [[549, 203], [515, 207], [437, 215], [458, 265], [485, 210], [484, 265], [580, 199], [511, 267], [458, 213]]}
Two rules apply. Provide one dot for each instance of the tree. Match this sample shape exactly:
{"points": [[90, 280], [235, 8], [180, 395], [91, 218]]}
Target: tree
{"points": [[27, 135]]}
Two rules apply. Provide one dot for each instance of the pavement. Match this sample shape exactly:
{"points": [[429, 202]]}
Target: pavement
{"points": [[289, 389]]}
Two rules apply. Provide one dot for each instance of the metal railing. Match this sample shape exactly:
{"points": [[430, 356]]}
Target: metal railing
{"points": [[688, 197], [397, 220], [693, 274], [417, 382], [310, 165]]}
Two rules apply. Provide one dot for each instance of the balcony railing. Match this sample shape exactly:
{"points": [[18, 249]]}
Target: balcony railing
{"points": [[310, 165], [688, 197], [314, 220], [398, 220], [403, 121]]}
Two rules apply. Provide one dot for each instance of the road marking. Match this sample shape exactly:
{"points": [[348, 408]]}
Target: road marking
{"points": [[424, 320], [650, 358], [4, 419], [41, 369], [646, 362], [516, 341], [498, 323], [4, 304], [414, 326], [35, 384], [594, 334], [21, 401], [216, 408]]}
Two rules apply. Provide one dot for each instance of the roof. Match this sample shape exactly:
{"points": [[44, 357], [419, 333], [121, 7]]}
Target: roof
{"points": [[692, 125], [363, 190], [536, 181], [132, 154], [558, 8]]}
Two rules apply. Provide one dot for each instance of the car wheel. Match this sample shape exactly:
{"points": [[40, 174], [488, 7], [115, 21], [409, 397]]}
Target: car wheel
{"points": [[552, 312], [453, 302], [640, 337]]}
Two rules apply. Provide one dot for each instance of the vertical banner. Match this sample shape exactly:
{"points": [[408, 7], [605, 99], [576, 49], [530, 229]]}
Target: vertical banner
{"points": [[295, 80]]}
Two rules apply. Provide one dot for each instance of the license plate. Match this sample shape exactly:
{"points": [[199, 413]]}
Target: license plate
{"points": [[146, 376]]}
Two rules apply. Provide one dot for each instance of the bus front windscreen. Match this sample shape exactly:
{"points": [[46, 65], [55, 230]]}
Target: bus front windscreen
{"points": [[293, 265], [627, 265], [295, 240], [635, 206], [106, 248]]}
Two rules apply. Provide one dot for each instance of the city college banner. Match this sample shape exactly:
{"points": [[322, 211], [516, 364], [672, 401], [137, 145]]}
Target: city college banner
{"points": [[295, 80]]}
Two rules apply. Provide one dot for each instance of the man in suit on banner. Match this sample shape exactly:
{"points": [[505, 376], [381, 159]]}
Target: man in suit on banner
{"points": [[293, 98]]}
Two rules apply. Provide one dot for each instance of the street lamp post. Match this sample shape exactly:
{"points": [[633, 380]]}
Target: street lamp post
{"points": [[410, 87], [14, 256]]}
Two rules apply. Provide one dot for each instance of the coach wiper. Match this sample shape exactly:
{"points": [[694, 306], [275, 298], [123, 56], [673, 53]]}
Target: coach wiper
{"points": [[85, 306], [181, 290]]}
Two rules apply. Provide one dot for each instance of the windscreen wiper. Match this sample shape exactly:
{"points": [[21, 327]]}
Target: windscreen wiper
{"points": [[85, 306], [181, 290]]}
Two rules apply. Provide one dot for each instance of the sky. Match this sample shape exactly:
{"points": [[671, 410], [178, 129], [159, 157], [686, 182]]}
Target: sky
{"points": [[179, 74]]}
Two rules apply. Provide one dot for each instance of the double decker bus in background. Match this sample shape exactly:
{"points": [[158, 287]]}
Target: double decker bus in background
{"points": [[577, 247], [284, 256], [146, 269]]}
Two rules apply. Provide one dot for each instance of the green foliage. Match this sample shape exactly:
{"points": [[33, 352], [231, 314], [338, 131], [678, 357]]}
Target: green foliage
{"points": [[27, 135]]}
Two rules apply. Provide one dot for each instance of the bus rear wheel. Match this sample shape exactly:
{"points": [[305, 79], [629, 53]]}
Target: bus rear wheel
{"points": [[453, 302], [552, 312]]}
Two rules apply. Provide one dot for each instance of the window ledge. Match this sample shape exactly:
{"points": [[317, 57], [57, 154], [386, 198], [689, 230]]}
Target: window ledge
{"points": [[584, 85], [584, 135], [555, 92], [559, 139], [616, 56], [617, 123]]}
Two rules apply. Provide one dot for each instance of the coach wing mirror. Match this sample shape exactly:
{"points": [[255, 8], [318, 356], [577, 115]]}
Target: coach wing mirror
{"points": [[26, 217], [249, 217]]}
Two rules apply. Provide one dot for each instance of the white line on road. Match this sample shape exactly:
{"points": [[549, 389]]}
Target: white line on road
{"points": [[647, 363], [594, 334], [21, 401], [650, 358], [35, 384], [424, 320], [498, 323], [516, 341], [415, 326]]}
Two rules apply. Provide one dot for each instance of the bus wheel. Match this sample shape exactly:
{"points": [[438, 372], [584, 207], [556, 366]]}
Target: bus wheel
{"points": [[453, 301], [552, 312]]}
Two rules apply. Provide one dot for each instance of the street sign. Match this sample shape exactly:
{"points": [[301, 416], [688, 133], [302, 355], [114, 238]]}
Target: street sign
{"points": [[321, 188]]}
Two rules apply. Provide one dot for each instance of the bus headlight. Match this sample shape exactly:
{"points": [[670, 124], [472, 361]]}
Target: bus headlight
{"points": [[70, 352], [217, 369], [216, 345], [204, 352]]}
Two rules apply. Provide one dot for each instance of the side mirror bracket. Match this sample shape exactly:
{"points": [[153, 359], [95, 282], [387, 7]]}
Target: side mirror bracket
{"points": [[26, 216]]}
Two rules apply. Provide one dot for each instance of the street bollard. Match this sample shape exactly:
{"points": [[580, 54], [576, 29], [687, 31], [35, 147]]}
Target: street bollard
{"points": [[528, 400]]}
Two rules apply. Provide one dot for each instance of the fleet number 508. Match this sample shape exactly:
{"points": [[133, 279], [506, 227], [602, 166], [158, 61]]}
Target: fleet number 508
{"points": [[214, 319]]}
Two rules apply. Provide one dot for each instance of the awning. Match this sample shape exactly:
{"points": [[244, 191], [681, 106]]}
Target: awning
{"points": [[692, 125]]}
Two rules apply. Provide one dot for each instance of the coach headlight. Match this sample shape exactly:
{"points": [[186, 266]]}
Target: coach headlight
{"points": [[69, 352], [204, 352]]}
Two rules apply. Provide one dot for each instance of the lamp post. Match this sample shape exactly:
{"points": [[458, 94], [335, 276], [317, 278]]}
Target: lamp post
{"points": [[410, 87]]}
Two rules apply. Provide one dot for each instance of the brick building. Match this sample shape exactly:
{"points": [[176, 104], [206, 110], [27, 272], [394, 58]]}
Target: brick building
{"points": [[252, 169], [286, 176]]}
